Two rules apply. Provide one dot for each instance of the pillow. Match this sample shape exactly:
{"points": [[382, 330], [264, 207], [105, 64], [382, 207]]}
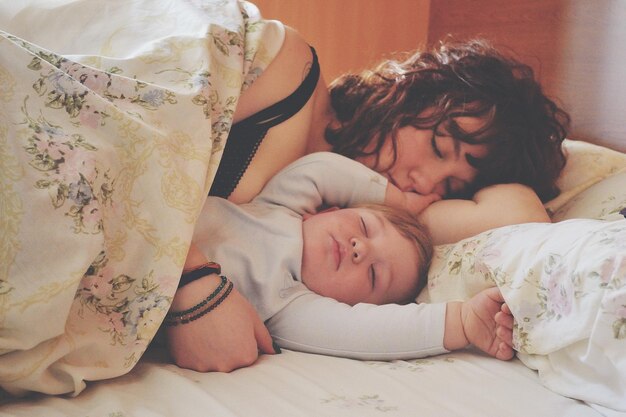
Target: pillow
{"points": [[587, 164], [593, 187], [603, 200], [527, 255], [458, 271]]}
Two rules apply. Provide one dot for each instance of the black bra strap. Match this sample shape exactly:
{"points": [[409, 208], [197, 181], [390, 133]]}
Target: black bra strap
{"points": [[246, 135], [290, 105]]}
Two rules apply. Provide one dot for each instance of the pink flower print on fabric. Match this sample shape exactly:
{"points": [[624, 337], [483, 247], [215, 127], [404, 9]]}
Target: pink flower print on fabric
{"points": [[91, 117], [112, 323], [99, 286], [557, 293], [50, 148], [91, 78], [559, 299], [91, 215], [77, 162], [611, 268]]}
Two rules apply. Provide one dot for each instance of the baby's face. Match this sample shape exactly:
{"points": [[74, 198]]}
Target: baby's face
{"points": [[356, 255]]}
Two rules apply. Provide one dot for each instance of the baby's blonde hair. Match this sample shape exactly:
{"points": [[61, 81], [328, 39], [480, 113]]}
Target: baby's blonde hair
{"points": [[411, 228]]}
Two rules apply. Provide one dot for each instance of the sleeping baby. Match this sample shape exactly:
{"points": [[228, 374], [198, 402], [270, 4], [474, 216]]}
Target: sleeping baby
{"points": [[338, 281]]}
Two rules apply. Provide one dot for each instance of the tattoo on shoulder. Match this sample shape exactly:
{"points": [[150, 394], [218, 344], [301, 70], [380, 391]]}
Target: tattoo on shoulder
{"points": [[307, 69]]}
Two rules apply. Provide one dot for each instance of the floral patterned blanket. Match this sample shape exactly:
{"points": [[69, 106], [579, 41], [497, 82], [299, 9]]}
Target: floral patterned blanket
{"points": [[113, 117], [566, 286], [565, 282]]}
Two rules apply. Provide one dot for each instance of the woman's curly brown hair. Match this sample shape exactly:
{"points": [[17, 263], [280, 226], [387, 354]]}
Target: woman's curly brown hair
{"points": [[524, 129]]}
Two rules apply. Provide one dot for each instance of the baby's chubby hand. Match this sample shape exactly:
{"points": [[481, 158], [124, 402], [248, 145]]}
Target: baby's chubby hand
{"points": [[416, 203], [488, 323], [413, 202]]}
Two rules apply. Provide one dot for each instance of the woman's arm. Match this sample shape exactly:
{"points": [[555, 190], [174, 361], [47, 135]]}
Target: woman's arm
{"points": [[230, 336], [498, 205], [295, 137], [226, 338]]}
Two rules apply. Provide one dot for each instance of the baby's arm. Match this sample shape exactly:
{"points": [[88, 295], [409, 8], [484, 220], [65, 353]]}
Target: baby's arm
{"points": [[498, 205], [323, 178], [316, 324]]}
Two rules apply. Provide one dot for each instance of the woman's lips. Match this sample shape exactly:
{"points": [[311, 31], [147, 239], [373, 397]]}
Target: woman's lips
{"points": [[407, 189]]}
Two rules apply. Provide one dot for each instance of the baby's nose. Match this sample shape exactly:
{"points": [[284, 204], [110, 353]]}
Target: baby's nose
{"points": [[359, 249]]}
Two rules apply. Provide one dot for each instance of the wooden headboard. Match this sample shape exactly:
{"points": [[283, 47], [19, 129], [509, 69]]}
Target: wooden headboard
{"points": [[577, 48]]}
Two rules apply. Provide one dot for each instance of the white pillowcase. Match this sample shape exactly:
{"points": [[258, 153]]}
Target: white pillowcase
{"points": [[593, 187], [587, 165]]}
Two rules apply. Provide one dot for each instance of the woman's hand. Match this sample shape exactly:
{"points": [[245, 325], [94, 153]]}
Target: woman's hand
{"points": [[227, 338]]}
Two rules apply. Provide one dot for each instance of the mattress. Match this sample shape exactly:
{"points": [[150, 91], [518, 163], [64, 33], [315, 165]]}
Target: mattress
{"points": [[294, 384]]}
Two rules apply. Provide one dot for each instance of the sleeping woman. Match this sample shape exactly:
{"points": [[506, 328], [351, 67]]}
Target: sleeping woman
{"points": [[105, 135], [441, 124]]}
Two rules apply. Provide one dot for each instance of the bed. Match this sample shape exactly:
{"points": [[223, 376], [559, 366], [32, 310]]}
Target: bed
{"points": [[463, 383]]}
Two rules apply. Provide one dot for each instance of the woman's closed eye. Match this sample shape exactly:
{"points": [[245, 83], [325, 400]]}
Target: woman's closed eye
{"points": [[435, 147], [439, 154]]}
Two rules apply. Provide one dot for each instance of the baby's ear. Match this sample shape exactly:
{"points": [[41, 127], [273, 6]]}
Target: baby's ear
{"points": [[307, 216]]}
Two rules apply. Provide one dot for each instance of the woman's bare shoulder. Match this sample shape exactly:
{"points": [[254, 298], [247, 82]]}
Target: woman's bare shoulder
{"points": [[282, 76]]}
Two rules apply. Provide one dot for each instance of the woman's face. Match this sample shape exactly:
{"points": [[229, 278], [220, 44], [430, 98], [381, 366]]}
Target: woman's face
{"points": [[427, 163]]}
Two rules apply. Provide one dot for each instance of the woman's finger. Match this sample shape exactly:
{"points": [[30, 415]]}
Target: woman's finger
{"points": [[264, 339]]}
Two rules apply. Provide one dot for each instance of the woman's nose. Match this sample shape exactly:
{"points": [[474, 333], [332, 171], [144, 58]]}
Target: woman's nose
{"points": [[428, 183], [359, 249]]}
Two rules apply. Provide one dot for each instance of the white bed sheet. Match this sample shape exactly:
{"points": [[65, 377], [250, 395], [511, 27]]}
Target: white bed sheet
{"points": [[296, 384]]}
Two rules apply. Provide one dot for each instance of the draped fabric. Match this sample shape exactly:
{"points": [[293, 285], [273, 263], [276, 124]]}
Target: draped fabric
{"points": [[113, 118], [565, 284]]}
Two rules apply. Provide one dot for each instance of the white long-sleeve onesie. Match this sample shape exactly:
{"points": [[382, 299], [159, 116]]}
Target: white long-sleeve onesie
{"points": [[259, 246]]}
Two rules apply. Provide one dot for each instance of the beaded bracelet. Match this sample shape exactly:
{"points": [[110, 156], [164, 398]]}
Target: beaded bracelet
{"points": [[199, 272], [202, 303], [200, 309]]}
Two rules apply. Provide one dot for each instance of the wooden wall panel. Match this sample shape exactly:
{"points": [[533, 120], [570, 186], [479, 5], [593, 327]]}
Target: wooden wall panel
{"points": [[350, 35], [575, 46]]}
